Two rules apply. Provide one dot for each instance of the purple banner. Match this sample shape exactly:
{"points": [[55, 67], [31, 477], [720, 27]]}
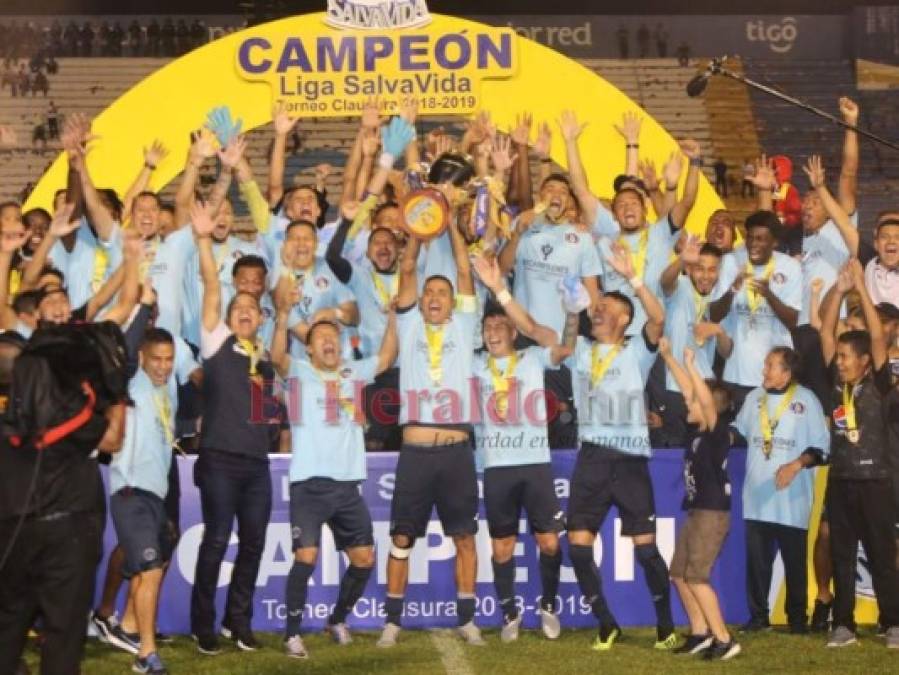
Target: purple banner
{"points": [[431, 592]]}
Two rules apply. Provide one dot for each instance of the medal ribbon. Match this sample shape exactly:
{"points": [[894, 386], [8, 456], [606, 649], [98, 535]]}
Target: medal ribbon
{"points": [[768, 425], [15, 282], [150, 248], [849, 407], [101, 264], [361, 219], [502, 382], [639, 258], [332, 393], [754, 298], [434, 335], [479, 212], [599, 366], [163, 405], [224, 249], [381, 289]]}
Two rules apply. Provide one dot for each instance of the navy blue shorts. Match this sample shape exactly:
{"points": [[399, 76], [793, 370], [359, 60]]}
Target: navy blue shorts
{"points": [[509, 489], [142, 527], [337, 504]]}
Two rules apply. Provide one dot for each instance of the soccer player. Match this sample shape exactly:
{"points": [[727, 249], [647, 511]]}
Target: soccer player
{"points": [[782, 425], [689, 284], [707, 502], [612, 467], [515, 448], [436, 464], [761, 305], [327, 464], [232, 472], [860, 504], [138, 485]]}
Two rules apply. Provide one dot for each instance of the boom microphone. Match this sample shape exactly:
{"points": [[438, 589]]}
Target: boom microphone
{"points": [[697, 85]]}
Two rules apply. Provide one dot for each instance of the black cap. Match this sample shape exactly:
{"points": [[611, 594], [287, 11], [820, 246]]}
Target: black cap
{"points": [[888, 310]]}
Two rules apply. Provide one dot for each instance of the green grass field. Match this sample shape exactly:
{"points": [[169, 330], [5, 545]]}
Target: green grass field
{"points": [[420, 652]]}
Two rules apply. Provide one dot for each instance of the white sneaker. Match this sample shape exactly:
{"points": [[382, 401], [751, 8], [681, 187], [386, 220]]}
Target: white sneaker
{"points": [[294, 647], [341, 633], [550, 623], [509, 632], [388, 636], [471, 634]]}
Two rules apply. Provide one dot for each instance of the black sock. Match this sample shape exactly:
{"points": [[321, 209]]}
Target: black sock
{"points": [[352, 585], [656, 572], [504, 581], [394, 608], [589, 582], [297, 584], [550, 566], [465, 607]]}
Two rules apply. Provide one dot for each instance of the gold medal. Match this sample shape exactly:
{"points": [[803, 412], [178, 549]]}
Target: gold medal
{"points": [[853, 436], [767, 447]]}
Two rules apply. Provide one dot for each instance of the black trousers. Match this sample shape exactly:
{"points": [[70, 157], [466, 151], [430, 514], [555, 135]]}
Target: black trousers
{"points": [[813, 372], [863, 510], [50, 572], [763, 541]]}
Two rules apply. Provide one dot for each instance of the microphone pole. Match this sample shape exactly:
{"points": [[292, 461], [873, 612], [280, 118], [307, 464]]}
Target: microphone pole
{"points": [[716, 68]]}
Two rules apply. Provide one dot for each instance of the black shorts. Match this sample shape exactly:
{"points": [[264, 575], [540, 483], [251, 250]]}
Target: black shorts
{"points": [[173, 496], [443, 477], [142, 528], [604, 478], [319, 501], [508, 489]]}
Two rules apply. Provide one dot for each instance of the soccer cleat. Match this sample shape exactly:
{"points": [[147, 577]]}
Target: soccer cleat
{"points": [[550, 624], [164, 638], [341, 633], [695, 644], [509, 632], [755, 626], [243, 639], [294, 647], [471, 634], [110, 631], [151, 664], [667, 643], [722, 651], [606, 638], [388, 636], [841, 637], [207, 643], [820, 622], [892, 636]]}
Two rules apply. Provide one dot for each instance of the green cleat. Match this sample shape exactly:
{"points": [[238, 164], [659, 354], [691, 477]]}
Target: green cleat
{"points": [[668, 643], [606, 638]]}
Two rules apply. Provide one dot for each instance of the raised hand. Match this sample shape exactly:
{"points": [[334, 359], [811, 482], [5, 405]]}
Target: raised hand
{"points": [[409, 109], [349, 210], [443, 144], [521, 132], [155, 153], [569, 126], [817, 285], [689, 356], [630, 127], [232, 153], [8, 135], [690, 252], [371, 114], [764, 178], [543, 144], [814, 169], [281, 120], [11, 242], [62, 225], [856, 273], [201, 145], [691, 148], [621, 262], [487, 269], [371, 141], [501, 154], [704, 330], [647, 169], [849, 111], [133, 246], [286, 293], [673, 168], [844, 282], [664, 346], [201, 219]]}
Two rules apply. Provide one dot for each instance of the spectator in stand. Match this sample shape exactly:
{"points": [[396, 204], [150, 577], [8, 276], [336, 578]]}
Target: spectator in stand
{"points": [[86, 40], [643, 40], [683, 55], [104, 37], [40, 83], [182, 38], [720, 167], [623, 41], [55, 37], [24, 80], [153, 39], [71, 36], [168, 38], [117, 36], [52, 121], [135, 38], [197, 34], [748, 187], [661, 37], [39, 135], [52, 65]]}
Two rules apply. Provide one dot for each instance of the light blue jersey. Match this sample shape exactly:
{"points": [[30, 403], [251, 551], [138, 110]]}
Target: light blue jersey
{"points": [[612, 411], [660, 242], [517, 437], [82, 265], [683, 310], [225, 254], [801, 426], [319, 290], [146, 453], [605, 225], [167, 271], [273, 238], [546, 254], [438, 393], [327, 440], [823, 255], [373, 291]]}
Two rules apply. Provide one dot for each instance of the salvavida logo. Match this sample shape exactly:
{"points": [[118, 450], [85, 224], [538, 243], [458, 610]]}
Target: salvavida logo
{"points": [[377, 14], [779, 36]]}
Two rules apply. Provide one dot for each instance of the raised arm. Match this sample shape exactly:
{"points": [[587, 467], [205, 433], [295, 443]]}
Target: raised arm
{"points": [[681, 210], [689, 255], [814, 169], [229, 156], [622, 263], [8, 246], [629, 130], [129, 294], [60, 226], [765, 182], [677, 371], [849, 170], [201, 219], [152, 157], [787, 315], [701, 391], [662, 202], [879, 347], [285, 296], [283, 126], [830, 313], [464, 279], [252, 195], [201, 148], [571, 130], [390, 345]]}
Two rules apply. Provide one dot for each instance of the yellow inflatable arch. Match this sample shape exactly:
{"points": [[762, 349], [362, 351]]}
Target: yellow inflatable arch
{"points": [[175, 100]]}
